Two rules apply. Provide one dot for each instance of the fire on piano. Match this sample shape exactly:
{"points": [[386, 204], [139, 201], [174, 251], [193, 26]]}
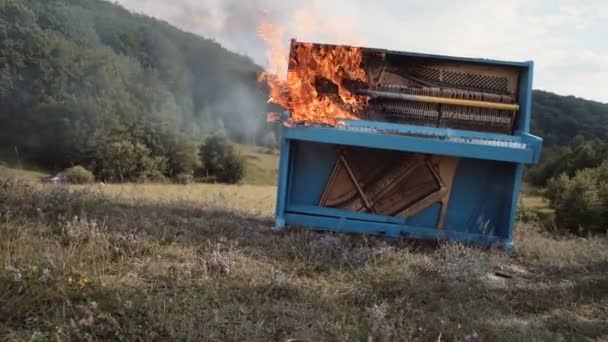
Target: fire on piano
{"points": [[404, 144]]}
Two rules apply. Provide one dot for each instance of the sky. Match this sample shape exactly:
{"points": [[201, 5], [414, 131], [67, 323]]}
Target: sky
{"points": [[567, 39]]}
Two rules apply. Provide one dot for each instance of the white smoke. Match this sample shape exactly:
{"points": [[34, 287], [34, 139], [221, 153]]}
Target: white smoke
{"points": [[561, 36], [233, 23]]}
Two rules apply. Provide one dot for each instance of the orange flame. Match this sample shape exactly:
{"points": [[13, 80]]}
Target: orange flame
{"points": [[298, 93]]}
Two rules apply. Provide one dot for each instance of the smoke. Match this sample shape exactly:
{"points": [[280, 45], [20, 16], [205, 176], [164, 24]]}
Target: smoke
{"points": [[560, 36], [233, 23], [241, 112]]}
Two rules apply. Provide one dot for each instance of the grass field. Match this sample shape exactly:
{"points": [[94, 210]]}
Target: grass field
{"points": [[12, 165], [202, 262], [24, 174], [262, 165]]}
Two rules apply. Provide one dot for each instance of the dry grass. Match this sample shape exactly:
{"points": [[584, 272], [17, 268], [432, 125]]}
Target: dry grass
{"points": [[164, 262], [32, 175], [244, 199], [535, 202]]}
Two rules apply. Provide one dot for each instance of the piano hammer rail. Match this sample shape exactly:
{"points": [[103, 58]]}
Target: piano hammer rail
{"points": [[438, 100]]}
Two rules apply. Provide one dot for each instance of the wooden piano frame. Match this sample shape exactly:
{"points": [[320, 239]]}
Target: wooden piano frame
{"points": [[486, 185]]}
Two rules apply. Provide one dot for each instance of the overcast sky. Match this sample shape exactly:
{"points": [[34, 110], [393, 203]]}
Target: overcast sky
{"points": [[567, 39]]}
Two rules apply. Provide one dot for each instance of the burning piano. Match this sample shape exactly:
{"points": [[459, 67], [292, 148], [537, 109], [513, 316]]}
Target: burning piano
{"points": [[403, 144]]}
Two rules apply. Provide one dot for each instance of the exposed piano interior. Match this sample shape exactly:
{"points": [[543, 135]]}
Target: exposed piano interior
{"points": [[410, 89], [389, 182]]}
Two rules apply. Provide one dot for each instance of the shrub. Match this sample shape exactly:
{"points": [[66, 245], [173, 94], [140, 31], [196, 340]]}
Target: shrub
{"points": [[183, 157], [577, 156], [127, 161], [581, 202], [78, 175], [220, 161]]}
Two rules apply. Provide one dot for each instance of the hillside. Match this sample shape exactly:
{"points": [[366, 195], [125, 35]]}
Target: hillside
{"points": [[558, 119], [77, 75]]}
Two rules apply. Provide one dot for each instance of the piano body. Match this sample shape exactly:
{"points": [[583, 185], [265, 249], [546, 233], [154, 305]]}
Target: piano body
{"points": [[437, 152]]}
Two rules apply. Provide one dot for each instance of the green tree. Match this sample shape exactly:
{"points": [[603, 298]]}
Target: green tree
{"points": [[127, 161], [79, 75], [577, 156], [183, 157], [581, 202], [220, 161]]}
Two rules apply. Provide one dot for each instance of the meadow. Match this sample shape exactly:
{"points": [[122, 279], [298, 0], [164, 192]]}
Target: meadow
{"points": [[201, 262]]}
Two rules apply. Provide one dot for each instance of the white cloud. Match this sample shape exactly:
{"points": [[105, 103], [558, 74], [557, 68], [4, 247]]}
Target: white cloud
{"points": [[565, 38]]}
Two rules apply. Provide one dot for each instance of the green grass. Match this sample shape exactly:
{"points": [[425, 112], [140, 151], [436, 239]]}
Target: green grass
{"points": [[262, 165], [170, 262]]}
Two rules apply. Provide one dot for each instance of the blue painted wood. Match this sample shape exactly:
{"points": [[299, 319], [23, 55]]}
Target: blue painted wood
{"points": [[432, 131], [332, 212], [518, 178], [482, 190], [342, 225], [536, 143], [485, 190], [409, 144], [480, 193], [429, 217], [311, 171], [284, 161], [525, 98]]}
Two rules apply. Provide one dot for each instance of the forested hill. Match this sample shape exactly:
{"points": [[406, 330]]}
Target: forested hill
{"points": [[575, 133], [558, 119], [76, 75]]}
